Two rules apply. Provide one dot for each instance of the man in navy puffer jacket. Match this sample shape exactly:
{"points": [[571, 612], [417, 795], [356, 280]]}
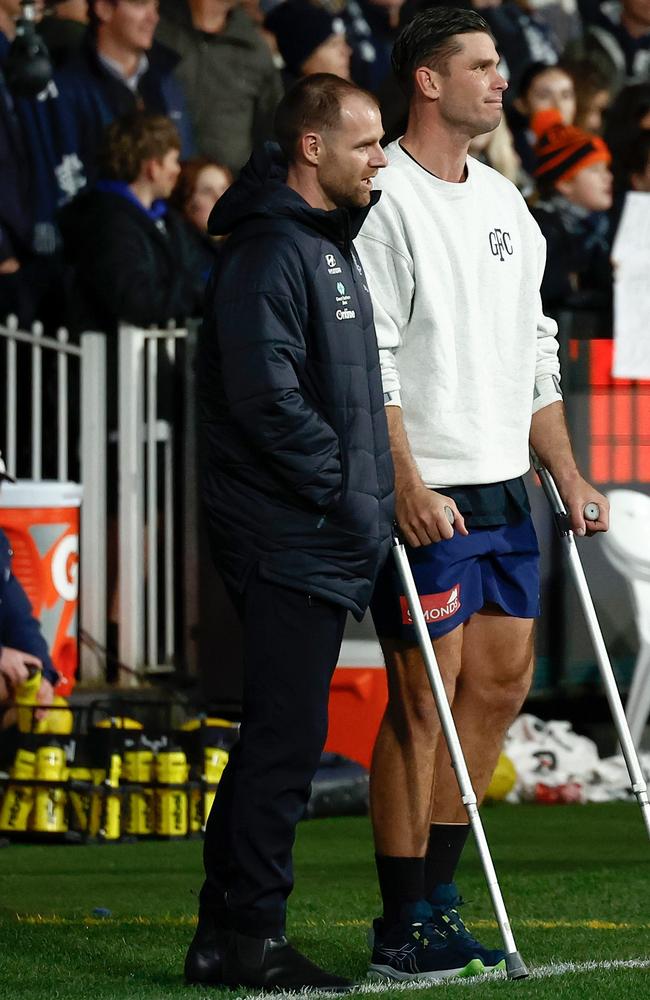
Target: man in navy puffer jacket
{"points": [[298, 487]]}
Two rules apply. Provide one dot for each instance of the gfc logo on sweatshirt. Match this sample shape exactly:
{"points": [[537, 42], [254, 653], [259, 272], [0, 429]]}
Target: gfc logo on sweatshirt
{"points": [[500, 243]]}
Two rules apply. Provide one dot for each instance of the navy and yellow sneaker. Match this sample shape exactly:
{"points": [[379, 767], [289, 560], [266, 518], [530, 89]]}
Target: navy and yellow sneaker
{"points": [[416, 948], [444, 902]]}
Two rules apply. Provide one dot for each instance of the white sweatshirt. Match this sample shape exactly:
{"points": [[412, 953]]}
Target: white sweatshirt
{"points": [[454, 271]]}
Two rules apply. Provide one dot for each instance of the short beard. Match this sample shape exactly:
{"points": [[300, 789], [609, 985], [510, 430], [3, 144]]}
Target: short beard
{"points": [[341, 199]]}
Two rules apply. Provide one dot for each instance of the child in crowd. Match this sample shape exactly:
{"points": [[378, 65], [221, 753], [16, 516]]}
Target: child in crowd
{"points": [[131, 255], [200, 184], [574, 183]]}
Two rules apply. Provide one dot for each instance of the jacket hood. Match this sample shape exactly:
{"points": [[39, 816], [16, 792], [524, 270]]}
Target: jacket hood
{"points": [[261, 192]]}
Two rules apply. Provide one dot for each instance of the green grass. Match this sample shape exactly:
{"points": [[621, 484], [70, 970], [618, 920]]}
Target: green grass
{"points": [[576, 881]]}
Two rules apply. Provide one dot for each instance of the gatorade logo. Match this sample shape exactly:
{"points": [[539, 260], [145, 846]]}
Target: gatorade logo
{"points": [[435, 606], [65, 567]]}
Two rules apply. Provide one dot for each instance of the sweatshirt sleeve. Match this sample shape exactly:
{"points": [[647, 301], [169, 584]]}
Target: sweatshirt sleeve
{"points": [[388, 266], [547, 367]]}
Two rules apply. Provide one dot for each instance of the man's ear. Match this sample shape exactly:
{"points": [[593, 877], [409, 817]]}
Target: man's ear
{"points": [[426, 83], [148, 168], [311, 147], [104, 9]]}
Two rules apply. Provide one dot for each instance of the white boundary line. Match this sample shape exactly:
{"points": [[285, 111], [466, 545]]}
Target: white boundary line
{"points": [[540, 972]]}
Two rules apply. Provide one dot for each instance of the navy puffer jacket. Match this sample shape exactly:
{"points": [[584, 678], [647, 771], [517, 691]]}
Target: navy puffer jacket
{"points": [[297, 472]]}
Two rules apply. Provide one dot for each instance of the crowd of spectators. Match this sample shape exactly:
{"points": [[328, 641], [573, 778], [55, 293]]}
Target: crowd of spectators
{"points": [[79, 231]]}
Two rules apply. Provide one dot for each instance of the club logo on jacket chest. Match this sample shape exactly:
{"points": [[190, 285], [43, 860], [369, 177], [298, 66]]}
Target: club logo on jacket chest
{"points": [[332, 264]]}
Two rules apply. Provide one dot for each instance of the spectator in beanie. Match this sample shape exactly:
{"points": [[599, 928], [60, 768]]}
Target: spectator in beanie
{"points": [[309, 39], [575, 194]]}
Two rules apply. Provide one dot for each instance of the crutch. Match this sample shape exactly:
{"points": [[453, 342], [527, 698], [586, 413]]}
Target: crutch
{"points": [[562, 523], [515, 966]]}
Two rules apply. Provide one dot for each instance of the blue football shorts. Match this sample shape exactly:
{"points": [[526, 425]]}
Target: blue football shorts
{"points": [[458, 576]]}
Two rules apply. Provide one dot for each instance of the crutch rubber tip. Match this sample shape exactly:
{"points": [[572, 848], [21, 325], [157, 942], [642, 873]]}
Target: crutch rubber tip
{"points": [[515, 966], [591, 512]]}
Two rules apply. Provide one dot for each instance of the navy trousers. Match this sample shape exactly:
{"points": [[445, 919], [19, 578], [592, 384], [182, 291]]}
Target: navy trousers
{"points": [[291, 646]]}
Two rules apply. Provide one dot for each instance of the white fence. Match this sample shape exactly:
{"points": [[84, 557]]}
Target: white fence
{"points": [[146, 526], [144, 468]]}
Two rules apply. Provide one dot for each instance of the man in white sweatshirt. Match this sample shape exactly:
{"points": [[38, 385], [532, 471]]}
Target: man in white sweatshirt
{"points": [[454, 262]]}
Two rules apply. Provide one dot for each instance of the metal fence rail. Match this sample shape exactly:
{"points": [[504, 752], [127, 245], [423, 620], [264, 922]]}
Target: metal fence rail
{"points": [[146, 504]]}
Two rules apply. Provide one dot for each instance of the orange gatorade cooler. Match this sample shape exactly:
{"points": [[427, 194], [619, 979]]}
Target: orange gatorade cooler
{"points": [[41, 521], [358, 694]]}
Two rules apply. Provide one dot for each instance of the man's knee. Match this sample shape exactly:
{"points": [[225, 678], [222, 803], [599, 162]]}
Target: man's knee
{"points": [[411, 706], [503, 693]]}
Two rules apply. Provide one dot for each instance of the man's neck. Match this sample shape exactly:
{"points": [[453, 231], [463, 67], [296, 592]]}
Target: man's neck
{"points": [[634, 27], [127, 59], [304, 184], [440, 150], [7, 25], [208, 17], [142, 191]]}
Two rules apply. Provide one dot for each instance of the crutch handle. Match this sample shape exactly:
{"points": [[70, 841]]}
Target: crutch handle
{"points": [[590, 511]]}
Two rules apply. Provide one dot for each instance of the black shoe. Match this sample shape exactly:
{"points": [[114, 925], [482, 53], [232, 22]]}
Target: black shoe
{"points": [[204, 959], [273, 964]]}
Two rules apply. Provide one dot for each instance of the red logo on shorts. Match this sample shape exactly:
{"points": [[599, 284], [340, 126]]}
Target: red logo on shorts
{"points": [[435, 606]]}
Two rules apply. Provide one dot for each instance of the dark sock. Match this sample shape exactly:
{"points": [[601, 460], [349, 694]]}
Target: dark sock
{"points": [[401, 880], [446, 843]]}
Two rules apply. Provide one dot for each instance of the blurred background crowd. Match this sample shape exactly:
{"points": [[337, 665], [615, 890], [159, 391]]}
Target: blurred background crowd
{"points": [[108, 174]]}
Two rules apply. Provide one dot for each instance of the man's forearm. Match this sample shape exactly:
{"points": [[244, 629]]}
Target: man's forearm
{"points": [[406, 471], [549, 436]]}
